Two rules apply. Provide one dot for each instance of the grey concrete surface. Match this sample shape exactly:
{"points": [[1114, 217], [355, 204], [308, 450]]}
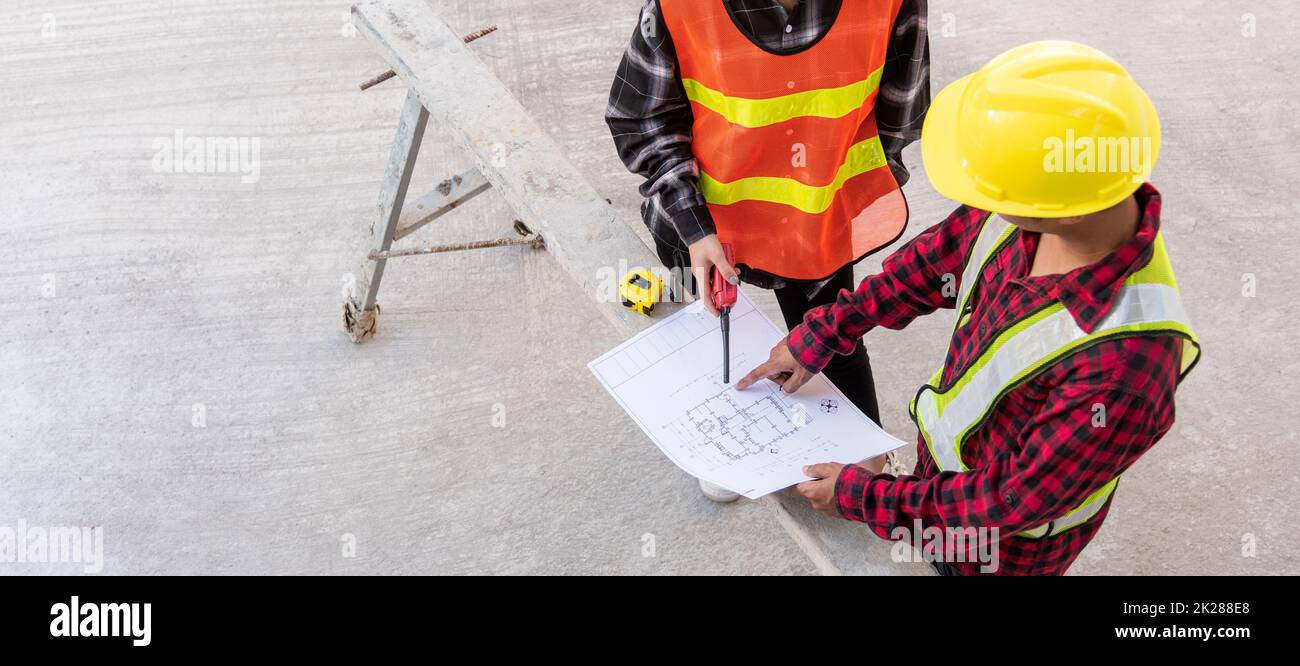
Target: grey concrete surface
{"points": [[469, 437]]}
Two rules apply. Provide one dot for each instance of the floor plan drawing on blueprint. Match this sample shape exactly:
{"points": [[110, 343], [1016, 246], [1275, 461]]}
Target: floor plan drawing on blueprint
{"points": [[669, 380], [732, 432]]}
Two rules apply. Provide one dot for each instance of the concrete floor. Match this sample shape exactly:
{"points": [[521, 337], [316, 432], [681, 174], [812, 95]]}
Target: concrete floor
{"points": [[469, 436]]}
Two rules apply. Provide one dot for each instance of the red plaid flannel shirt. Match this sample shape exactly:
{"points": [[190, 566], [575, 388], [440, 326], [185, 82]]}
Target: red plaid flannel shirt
{"points": [[1039, 455]]}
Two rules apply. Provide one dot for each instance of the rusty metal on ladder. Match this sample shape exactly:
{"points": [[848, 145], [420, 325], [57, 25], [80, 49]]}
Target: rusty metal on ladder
{"points": [[391, 73], [527, 237]]}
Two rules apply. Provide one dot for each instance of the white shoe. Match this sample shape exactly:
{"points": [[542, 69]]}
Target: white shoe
{"points": [[717, 493]]}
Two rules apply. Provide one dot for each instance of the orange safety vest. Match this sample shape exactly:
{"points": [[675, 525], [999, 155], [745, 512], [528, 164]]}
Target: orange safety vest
{"points": [[790, 159]]}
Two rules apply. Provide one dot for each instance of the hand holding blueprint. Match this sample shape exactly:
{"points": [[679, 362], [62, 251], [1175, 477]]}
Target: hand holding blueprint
{"points": [[669, 380]]}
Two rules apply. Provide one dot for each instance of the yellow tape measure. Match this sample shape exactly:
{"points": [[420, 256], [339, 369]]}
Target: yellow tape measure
{"points": [[641, 290]]}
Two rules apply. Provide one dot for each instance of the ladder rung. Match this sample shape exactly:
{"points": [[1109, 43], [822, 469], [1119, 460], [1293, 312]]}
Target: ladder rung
{"points": [[534, 240], [447, 196]]}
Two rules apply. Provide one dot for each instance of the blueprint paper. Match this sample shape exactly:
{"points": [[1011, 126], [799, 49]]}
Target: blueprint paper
{"points": [[669, 380]]}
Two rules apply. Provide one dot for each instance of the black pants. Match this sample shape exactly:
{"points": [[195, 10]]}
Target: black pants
{"points": [[852, 373]]}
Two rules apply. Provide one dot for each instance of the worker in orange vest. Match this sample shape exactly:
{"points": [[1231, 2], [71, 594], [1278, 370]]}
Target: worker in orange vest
{"points": [[775, 126]]}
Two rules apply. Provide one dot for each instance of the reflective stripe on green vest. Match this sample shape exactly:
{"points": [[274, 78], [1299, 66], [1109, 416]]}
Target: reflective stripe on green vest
{"points": [[1148, 305]]}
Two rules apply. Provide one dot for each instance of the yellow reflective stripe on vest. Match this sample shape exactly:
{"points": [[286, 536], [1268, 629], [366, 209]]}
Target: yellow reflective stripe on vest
{"points": [[1026, 348], [864, 156], [1080, 515], [1149, 304], [750, 112], [993, 232]]}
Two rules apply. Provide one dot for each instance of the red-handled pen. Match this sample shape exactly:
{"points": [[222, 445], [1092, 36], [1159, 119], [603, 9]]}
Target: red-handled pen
{"points": [[723, 294]]}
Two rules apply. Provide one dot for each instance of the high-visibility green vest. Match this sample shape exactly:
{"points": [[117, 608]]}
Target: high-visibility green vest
{"points": [[947, 414]]}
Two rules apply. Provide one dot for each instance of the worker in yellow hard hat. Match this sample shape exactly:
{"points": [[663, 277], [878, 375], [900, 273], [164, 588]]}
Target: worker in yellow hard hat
{"points": [[1070, 335]]}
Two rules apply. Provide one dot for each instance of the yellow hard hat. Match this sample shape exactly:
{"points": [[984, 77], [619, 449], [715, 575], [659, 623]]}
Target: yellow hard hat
{"points": [[1049, 129]]}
